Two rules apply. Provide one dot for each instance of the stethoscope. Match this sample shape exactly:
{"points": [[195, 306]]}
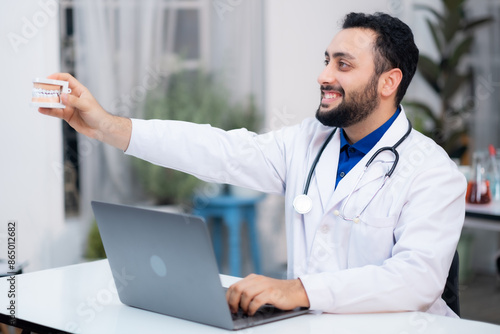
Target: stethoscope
{"points": [[303, 203]]}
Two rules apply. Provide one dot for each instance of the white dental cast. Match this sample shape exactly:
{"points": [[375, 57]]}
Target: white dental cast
{"points": [[40, 92]]}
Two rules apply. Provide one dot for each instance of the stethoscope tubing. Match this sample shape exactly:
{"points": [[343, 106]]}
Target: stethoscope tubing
{"points": [[372, 158], [315, 162]]}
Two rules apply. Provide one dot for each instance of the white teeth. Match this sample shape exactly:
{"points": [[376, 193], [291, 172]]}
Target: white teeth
{"points": [[40, 92], [331, 95]]}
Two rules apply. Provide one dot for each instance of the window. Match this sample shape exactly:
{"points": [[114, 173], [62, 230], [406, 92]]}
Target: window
{"points": [[184, 36]]}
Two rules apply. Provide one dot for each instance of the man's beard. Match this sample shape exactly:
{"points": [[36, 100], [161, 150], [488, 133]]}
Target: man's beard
{"points": [[353, 110]]}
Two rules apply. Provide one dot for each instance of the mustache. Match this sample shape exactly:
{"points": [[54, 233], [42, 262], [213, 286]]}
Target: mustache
{"points": [[336, 88]]}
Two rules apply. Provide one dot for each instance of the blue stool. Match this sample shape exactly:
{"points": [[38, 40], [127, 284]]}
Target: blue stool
{"points": [[232, 211]]}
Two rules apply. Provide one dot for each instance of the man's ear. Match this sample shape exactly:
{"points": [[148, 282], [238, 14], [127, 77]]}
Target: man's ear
{"points": [[389, 82]]}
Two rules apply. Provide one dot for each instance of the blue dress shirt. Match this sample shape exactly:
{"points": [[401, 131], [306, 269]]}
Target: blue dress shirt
{"points": [[350, 155]]}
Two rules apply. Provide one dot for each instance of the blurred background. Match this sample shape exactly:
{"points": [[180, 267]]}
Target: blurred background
{"points": [[230, 63]]}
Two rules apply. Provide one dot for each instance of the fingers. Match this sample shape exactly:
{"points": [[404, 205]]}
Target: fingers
{"points": [[234, 294], [83, 103], [80, 102], [249, 294], [258, 301], [54, 112], [254, 291], [63, 113], [71, 100], [76, 87]]}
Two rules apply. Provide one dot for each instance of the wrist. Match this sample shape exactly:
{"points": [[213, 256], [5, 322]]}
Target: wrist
{"points": [[302, 298], [115, 131]]}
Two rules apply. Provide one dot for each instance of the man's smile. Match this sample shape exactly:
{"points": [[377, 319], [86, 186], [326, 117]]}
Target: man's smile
{"points": [[329, 96]]}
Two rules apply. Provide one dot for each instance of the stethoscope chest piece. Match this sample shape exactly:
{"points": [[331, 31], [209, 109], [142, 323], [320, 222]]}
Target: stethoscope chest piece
{"points": [[302, 204]]}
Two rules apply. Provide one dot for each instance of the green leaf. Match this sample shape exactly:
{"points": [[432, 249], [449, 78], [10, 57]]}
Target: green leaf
{"points": [[452, 24], [462, 49], [452, 142], [477, 23], [95, 249], [422, 107], [430, 71], [432, 10], [452, 84], [453, 5], [436, 36], [193, 96]]}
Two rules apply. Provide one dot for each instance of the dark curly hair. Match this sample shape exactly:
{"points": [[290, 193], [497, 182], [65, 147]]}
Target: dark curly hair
{"points": [[394, 45]]}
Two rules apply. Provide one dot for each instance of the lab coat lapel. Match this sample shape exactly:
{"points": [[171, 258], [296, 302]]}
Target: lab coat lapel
{"points": [[326, 170], [393, 134]]}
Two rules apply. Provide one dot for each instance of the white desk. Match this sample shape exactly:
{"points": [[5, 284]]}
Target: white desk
{"points": [[483, 216], [482, 245], [82, 298]]}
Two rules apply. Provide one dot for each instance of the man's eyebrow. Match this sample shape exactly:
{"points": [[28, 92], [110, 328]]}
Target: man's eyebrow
{"points": [[340, 55]]}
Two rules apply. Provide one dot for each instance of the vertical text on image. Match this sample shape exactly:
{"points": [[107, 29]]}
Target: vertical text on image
{"points": [[11, 263]]}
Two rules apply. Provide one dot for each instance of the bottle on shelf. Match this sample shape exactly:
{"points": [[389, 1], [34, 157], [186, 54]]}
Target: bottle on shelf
{"points": [[493, 174], [478, 188]]}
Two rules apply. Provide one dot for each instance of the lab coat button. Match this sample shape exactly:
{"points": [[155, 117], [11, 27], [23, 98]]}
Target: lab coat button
{"points": [[325, 229]]}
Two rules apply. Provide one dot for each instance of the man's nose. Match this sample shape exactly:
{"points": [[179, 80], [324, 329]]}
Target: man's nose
{"points": [[327, 76]]}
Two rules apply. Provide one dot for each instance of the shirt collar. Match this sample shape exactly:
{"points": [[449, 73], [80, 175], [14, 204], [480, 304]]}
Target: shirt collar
{"points": [[368, 142]]}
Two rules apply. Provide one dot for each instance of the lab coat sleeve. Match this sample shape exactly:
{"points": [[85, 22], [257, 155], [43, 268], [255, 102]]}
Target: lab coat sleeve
{"points": [[237, 157], [412, 279]]}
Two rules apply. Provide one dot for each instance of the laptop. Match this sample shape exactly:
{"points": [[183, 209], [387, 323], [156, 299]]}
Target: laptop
{"points": [[165, 263]]}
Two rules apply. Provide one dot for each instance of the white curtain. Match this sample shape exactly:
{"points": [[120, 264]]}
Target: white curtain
{"points": [[237, 47], [117, 58], [125, 48]]}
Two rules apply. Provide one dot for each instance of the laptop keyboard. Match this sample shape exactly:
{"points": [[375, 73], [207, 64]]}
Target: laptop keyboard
{"points": [[264, 312]]}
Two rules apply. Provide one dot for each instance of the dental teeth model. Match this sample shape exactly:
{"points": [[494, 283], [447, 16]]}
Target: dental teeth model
{"points": [[46, 93]]}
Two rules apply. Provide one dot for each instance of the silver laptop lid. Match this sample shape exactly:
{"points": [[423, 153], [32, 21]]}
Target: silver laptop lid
{"points": [[168, 259]]}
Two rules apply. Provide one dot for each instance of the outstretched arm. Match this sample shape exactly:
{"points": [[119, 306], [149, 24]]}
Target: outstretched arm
{"points": [[85, 115]]}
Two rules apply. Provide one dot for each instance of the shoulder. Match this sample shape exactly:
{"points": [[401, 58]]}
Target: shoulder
{"points": [[302, 133], [308, 128], [422, 156], [424, 148]]}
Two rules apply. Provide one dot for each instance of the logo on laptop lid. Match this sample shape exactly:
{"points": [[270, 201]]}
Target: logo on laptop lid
{"points": [[158, 266]]}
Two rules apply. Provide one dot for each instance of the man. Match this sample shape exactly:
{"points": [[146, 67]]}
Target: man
{"points": [[360, 248]]}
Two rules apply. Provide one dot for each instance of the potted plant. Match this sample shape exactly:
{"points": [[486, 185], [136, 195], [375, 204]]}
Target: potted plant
{"points": [[193, 96], [94, 249], [448, 76]]}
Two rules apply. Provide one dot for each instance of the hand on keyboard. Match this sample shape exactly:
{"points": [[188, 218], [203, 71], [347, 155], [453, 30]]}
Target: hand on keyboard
{"points": [[254, 291]]}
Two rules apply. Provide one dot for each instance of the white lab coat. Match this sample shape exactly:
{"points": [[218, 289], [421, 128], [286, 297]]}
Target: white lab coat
{"points": [[396, 259]]}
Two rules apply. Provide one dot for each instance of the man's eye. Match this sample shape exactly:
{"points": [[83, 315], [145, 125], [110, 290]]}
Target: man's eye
{"points": [[343, 65], [327, 62]]}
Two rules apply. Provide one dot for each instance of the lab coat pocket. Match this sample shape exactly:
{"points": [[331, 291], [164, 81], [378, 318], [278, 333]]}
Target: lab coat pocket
{"points": [[372, 240], [378, 222]]}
